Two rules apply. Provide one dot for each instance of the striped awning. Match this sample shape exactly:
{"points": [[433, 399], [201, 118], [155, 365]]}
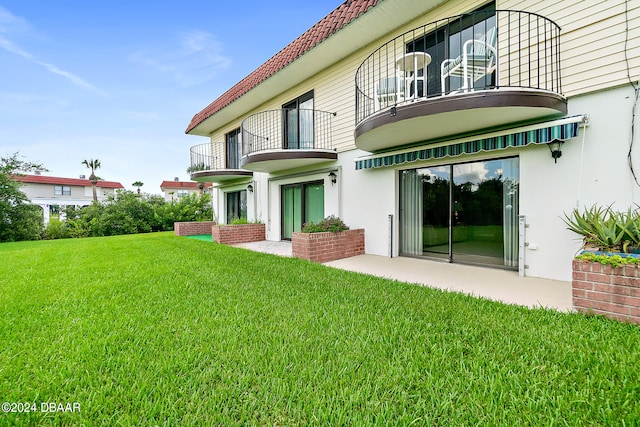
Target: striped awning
{"points": [[541, 133]]}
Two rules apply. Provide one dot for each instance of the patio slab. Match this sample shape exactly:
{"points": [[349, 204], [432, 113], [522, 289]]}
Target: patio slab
{"points": [[499, 285]]}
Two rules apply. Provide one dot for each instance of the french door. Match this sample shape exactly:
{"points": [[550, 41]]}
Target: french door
{"points": [[298, 123], [464, 212], [301, 203]]}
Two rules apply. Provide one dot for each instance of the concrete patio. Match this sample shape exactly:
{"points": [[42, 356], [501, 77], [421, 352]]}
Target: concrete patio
{"points": [[495, 284]]}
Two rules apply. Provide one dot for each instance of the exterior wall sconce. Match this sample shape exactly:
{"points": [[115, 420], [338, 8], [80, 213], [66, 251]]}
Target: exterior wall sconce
{"points": [[250, 188], [333, 177], [555, 147]]}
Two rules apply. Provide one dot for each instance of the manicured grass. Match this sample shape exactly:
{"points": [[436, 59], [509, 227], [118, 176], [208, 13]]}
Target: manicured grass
{"points": [[161, 330]]}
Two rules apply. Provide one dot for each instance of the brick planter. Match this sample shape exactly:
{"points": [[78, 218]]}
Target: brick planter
{"points": [[238, 233], [324, 247], [603, 289], [192, 228]]}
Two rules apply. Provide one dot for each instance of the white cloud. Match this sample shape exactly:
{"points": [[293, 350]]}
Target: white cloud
{"points": [[198, 58], [471, 172], [10, 24]]}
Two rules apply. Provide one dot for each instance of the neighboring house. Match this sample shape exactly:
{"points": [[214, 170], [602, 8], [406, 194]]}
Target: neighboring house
{"points": [[173, 190], [53, 193], [457, 130]]}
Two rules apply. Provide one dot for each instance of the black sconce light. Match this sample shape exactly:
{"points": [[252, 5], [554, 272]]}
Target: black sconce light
{"points": [[555, 147], [333, 177], [250, 188]]}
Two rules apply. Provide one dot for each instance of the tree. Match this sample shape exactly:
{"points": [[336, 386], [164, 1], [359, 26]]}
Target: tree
{"points": [[19, 220], [138, 184], [93, 165]]}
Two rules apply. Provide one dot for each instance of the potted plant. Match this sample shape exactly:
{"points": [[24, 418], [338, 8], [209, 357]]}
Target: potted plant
{"points": [[606, 278], [327, 240]]}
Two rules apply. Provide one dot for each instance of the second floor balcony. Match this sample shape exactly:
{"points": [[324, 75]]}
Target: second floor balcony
{"points": [[216, 162], [462, 75], [276, 140]]}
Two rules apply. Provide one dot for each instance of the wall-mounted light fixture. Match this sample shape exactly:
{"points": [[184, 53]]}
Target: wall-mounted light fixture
{"points": [[333, 177], [555, 147], [250, 188]]}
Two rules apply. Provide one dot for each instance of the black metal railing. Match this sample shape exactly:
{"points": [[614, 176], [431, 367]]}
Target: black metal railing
{"points": [[285, 129], [206, 157], [503, 49]]}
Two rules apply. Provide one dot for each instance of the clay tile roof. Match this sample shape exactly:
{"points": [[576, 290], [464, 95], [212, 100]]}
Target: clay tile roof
{"points": [[54, 180], [182, 184], [330, 24]]}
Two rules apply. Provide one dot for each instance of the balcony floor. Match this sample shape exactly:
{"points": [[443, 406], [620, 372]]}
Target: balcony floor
{"points": [[455, 115], [277, 160], [220, 175]]}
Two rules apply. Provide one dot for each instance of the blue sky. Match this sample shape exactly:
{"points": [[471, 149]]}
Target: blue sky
{"points": [[120, 80]]}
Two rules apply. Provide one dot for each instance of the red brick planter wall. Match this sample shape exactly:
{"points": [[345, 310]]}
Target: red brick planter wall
{"points": [[602, 289], [324, 247], [239, 233], [192, 228]]}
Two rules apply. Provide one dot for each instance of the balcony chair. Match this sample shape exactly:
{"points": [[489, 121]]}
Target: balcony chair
{"points": [[389, 91], [478, 59]]}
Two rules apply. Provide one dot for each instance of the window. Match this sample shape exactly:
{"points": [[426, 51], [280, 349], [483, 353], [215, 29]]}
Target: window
{"points": [[298, 123], [236, 205], [62, 190], [463, 212], [183, 193], [234, 149], [447, 42]]}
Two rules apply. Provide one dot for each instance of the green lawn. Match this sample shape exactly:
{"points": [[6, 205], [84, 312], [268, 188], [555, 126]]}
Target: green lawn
{"points": [[161, 330]]}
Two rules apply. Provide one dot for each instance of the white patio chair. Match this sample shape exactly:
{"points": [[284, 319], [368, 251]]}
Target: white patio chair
{"points": [[477, 60]]}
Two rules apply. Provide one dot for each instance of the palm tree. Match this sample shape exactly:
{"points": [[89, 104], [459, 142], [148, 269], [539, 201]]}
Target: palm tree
{"points": [[138, 184], [93, 165]]}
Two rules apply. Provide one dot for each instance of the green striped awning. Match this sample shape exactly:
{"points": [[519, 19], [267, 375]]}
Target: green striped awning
{"points": [[567, 129]]}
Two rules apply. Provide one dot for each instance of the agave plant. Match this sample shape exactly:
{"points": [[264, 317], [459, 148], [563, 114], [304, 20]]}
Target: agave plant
{"points": [[629, 223], [603, 228]]}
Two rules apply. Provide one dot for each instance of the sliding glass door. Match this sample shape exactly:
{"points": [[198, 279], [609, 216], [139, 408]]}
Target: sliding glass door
{"points": [[298, 123], [464, 212], [301, 203]]}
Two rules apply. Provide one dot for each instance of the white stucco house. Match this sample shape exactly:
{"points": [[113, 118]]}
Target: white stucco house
{"points": [[459, 130], [175, 189], [52, 193]]}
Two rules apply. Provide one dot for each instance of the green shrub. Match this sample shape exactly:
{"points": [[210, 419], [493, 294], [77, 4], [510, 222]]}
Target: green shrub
{"points": [[56, 229], [331, 223], [238, 221], [612, 260]]}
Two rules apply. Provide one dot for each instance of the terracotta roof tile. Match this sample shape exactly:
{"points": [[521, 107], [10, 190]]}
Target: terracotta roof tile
{"points": [[330, 24], [182, 184], [42, 179]]}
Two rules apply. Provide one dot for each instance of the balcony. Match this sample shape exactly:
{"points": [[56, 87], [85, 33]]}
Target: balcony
{"points": [[210, 163], [276, 140], [459, 76]]}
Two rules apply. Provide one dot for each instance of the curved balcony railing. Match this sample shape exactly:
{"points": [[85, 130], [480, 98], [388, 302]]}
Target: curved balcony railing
{"points": [[287, 129], [209, 156], [474, 51]]}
